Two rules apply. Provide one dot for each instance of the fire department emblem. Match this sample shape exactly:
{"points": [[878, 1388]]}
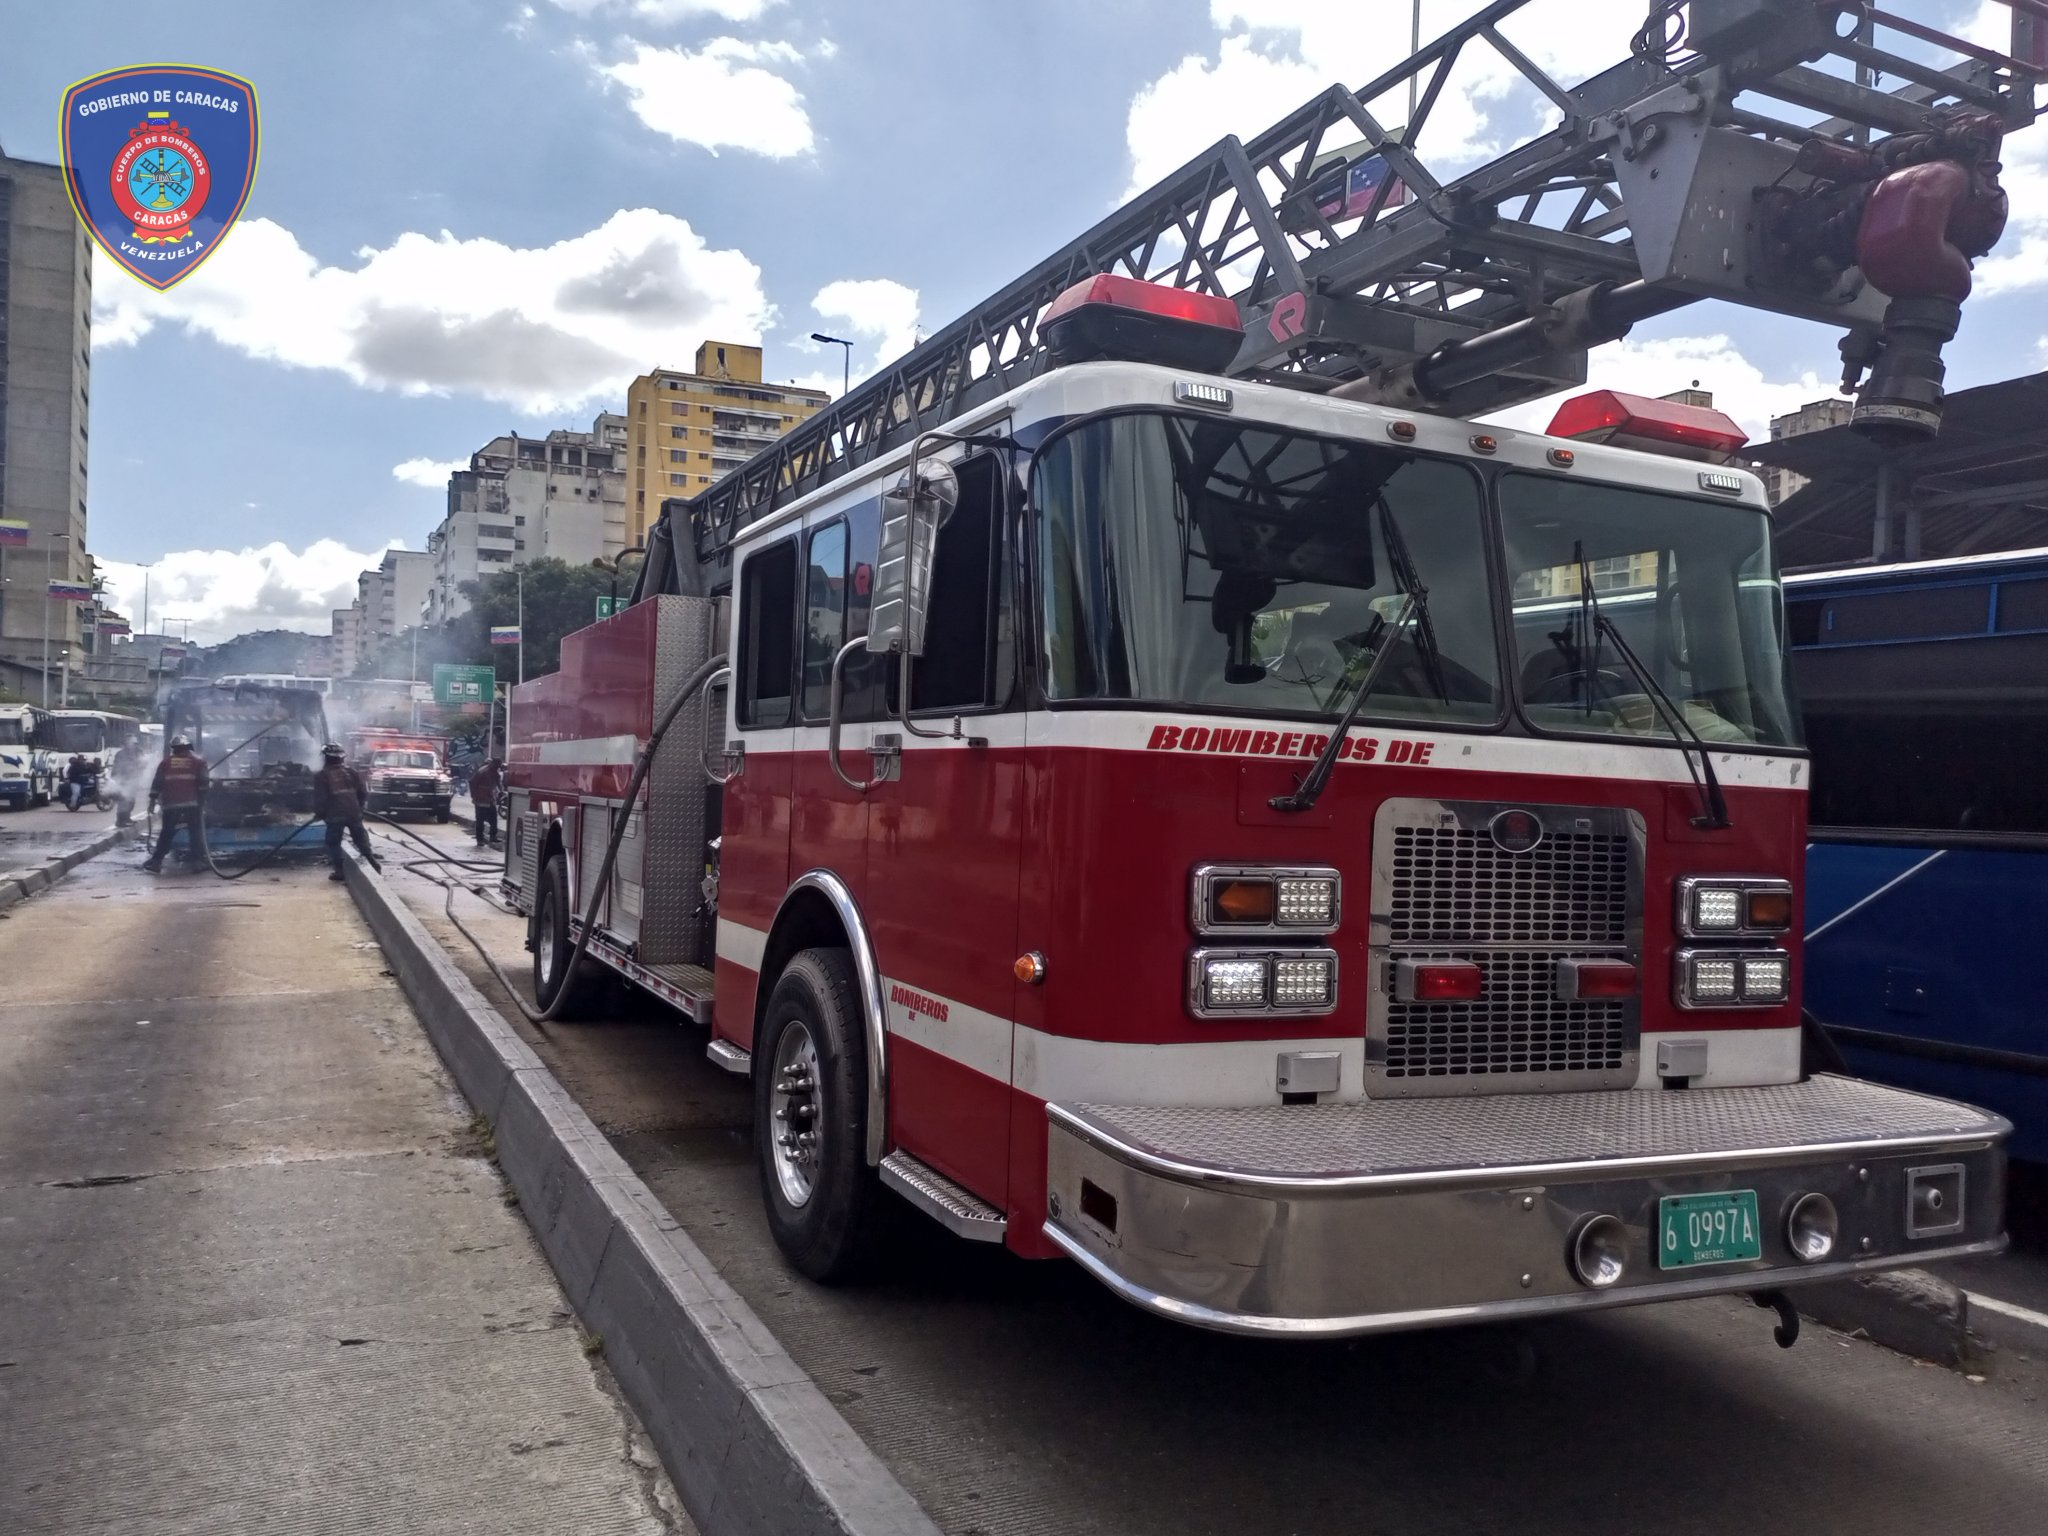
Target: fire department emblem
{"points": [[1516, 831], [159, 160]]}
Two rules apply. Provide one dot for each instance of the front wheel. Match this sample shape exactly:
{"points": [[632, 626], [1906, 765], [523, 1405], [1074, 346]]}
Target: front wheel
{"points": [[824, 1202], [553, 948], [441, 813]]}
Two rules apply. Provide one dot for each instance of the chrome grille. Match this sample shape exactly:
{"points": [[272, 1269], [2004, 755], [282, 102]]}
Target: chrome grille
{"points": [[1518, 1027], [1453, 886], [1444, 890]]}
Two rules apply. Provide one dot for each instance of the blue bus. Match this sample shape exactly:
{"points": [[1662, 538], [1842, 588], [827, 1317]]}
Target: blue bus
{"points": [[1925, 693]]}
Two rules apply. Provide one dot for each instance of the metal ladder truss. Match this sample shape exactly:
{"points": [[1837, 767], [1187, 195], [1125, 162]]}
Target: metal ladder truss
{"points": [[1351, 253]]}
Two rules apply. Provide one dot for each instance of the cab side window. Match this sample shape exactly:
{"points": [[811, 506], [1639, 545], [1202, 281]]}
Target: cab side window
{"points": [[969, 659], [767, 625], [824, 614], [839, 582]]}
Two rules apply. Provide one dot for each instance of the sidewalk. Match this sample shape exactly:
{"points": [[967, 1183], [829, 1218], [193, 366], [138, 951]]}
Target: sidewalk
{"points": [[259, 1272]]}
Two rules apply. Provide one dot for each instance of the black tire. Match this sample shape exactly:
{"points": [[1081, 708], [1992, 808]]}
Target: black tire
{"points": [[552, 947], [442, 814], [831, 1229]]}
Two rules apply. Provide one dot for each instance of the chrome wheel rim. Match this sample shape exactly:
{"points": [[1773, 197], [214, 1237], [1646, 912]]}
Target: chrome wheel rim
{"points": [[544, 946], [797, 1112]]}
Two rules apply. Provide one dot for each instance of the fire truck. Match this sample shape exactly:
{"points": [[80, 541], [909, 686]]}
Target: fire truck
{"points": [[1149, 779]]}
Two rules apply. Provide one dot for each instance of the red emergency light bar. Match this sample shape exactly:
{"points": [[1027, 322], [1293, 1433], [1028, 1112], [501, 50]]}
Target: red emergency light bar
{"points": [[1107, 316], [1655, 426]]}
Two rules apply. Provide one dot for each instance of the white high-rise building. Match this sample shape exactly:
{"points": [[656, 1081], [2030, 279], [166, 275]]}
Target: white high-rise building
{"points": [[525, 498]]}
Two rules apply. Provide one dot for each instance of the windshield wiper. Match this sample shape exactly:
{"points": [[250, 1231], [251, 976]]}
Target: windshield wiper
{"points": [[1381, 636], [1713, 805], [1407, 579]]}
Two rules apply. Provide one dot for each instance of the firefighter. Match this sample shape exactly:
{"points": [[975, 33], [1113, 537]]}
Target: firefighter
{"points": [[338, 801], [483, 794], [180, 787]]}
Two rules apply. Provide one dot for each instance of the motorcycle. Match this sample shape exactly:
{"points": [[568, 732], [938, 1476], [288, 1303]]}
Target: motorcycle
{"points": [[88, 792]]}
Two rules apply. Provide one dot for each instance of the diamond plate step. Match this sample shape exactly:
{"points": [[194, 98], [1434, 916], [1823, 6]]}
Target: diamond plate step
{"points": [[941, 1199]]}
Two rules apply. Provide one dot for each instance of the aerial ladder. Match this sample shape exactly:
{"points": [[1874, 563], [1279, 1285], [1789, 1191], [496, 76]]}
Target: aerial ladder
{"points": [[1684, 172]]}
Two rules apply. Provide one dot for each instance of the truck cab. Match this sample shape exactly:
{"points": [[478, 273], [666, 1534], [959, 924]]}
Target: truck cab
{"points": [[403, 772]]}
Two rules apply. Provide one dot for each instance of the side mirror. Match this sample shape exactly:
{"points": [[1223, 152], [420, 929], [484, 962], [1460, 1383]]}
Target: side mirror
{"points": [[913, 511]]}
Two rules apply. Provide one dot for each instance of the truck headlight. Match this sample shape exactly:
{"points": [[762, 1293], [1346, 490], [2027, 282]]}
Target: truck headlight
{"points": [[1729, 978], [1718, 906], [1233, 982], [1233, 899]]}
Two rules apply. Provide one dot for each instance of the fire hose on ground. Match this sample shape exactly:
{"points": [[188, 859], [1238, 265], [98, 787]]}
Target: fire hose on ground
{"points": [[692, 686]]}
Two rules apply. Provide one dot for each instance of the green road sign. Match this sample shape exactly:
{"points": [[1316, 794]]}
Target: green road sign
{"points": [[607, 606], [454, 686]]}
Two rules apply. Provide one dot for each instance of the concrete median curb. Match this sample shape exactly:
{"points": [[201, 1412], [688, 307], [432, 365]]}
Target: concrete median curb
{"points": [[16, 886], [1909, 1310], [750, 1442]]}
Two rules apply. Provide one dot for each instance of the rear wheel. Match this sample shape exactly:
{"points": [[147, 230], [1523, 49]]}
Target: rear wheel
{"points": [[824, 1202], [553, 948]]}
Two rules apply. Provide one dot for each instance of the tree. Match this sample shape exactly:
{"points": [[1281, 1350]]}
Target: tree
{"points": [[559, 598]]}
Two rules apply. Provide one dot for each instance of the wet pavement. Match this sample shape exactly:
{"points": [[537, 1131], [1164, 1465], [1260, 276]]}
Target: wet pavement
{"points": [[259, 1271], [29, 837]]}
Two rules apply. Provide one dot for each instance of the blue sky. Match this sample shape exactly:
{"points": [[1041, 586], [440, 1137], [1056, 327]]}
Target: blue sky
{"points": [[477, 215]]}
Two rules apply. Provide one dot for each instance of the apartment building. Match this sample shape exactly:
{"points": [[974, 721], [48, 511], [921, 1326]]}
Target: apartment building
{"points": [[562, 497], [687, 429], [45, 407]]}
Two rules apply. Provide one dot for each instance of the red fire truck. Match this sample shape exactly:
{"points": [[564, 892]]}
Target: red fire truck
{"points": [[1168, 790]]}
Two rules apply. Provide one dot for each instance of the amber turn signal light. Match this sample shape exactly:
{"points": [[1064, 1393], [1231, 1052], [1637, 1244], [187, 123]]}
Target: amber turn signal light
{"points": [[1770, 910], [1243, 901]]}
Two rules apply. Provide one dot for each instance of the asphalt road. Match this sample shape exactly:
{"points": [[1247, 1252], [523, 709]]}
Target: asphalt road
{"points": [[29, 837], [257, 1273], [1020, 1398]]}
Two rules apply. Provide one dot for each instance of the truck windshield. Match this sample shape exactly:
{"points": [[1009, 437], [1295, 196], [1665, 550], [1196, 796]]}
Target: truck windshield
{"points": [[1691, 585], [1225, 565], [403, 760]]}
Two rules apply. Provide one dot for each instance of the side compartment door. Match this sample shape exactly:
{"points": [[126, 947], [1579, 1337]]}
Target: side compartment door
{"points": [[944, 840], [753, 866]]}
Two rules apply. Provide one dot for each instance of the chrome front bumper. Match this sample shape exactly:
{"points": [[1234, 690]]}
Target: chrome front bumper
{"points": [[1331, 1219]]}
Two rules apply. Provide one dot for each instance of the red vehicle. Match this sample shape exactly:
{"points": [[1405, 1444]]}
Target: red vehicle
{"points": [[1322, 864], [402, 770]]}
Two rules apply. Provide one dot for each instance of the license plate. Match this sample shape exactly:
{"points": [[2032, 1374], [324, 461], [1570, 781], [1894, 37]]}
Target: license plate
{"points": [[1720, 1228]]}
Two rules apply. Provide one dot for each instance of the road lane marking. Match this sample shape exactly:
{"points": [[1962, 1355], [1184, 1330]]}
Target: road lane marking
{"points": [[2008, 1309]]}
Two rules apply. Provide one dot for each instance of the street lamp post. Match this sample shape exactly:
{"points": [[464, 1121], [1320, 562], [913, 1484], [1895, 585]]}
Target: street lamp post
{"points": [[611, 564], [48, 566], [845, 359]]}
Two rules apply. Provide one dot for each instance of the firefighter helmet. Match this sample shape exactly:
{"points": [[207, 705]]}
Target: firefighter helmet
{"points": [[332, 750], [181, 742]]}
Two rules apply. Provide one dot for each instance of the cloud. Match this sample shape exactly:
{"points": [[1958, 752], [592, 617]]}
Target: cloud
{"points": [[670, 12], [543, 329], [431, 473], [1671, 363], [228, 592], [877, 309], [717, 97], [1274, 55]]}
